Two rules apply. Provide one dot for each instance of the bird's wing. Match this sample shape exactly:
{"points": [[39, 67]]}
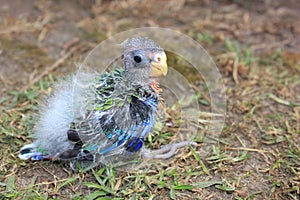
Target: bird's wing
{"points": [[118, 119]]}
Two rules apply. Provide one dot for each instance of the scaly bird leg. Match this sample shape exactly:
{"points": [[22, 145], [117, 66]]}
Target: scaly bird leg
{"points": [[166, 151]]}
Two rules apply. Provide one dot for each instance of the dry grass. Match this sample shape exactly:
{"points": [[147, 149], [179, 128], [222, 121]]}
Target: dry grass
{"points": [[256, 46]]}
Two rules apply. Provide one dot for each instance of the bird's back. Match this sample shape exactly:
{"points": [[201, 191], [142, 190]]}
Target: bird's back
{"points": [[114, 121], [117, 120]]}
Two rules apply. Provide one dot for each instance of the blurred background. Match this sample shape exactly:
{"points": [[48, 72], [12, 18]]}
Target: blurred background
{"points": [[256, 45], [34, 34]]}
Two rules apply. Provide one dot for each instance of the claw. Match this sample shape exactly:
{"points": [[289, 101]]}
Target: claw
{"points": [[166, 151], [30, 151]]}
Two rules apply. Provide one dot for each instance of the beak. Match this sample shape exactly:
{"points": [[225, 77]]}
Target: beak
{"points": [[159, 64]]}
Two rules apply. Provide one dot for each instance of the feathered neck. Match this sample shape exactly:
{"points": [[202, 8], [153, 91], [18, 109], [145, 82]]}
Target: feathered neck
{"points": [[144, 82], [138, 76]]}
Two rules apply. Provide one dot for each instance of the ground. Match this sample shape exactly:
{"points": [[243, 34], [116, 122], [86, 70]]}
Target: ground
{"points": [[256, 47]]}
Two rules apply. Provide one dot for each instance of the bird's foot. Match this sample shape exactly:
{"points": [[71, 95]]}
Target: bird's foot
{"points": [[30, 151], [166, 151]]}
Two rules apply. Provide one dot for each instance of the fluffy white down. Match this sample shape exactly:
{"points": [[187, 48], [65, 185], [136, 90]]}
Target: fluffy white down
{"points": [[54, 121]]}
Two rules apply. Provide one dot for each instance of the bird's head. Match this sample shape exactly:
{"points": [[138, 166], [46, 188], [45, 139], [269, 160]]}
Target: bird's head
{"points": [[143, 59]]}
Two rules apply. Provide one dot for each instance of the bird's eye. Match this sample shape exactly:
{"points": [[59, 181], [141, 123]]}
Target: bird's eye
{"points": [[137, 59]]}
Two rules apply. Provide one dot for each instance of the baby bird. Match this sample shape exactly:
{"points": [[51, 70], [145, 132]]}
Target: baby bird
{"points": [[114, 122]]}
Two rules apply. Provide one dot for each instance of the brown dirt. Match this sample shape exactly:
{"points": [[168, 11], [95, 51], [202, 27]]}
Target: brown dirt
{"points": [[34, 34]]}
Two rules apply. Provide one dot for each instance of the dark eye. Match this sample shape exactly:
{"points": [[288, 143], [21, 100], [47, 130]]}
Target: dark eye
{"points": [[137, 59]]}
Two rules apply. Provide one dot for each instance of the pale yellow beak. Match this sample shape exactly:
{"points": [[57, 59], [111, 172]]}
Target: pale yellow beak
{"points": [[159, 64]]}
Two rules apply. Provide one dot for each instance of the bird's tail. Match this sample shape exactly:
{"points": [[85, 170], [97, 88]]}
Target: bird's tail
{"points": [[31, 151]]}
